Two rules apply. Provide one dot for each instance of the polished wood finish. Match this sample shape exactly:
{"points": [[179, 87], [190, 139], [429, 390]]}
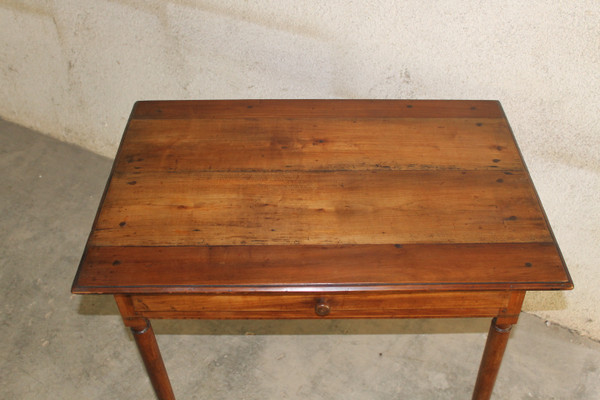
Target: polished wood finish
{"points": [[319, 209], [492, 357], [145, 339], [330, 268], [218, 109], [341, 305]]}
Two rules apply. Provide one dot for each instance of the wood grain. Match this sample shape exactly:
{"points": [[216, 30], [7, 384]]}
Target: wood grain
{"points": [[247, 269], [247, 196], [317, 109], [319, 209], [342, 305], [331, 144], [346, 207]]}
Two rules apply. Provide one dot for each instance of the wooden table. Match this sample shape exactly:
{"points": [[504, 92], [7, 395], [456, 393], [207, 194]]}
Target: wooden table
{"points": [[319, 209]]}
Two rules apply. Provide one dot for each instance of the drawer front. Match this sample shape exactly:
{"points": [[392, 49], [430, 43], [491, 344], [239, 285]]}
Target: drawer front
{"points": [[315, 305]]}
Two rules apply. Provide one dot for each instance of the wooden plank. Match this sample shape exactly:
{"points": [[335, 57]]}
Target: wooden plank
{"points": [[317, 108], [348, 207], [181, 145], [207, 269]]}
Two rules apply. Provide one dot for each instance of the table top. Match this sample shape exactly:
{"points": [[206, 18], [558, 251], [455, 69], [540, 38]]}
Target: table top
{"points": [[319, 196]]}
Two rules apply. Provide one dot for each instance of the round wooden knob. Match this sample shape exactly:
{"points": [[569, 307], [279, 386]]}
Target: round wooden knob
{"points": [[322, 309]]}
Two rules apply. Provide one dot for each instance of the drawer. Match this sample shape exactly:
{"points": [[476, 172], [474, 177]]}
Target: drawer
{"points": [[324, 305]]}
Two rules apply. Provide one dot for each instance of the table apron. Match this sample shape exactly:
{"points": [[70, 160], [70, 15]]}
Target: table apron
{"points": [[504, 304]]}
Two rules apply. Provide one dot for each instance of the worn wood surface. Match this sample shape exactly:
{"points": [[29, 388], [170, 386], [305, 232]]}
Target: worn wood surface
{"points": [[333, 268], [326, 195], [317, 144], [345, 207]]}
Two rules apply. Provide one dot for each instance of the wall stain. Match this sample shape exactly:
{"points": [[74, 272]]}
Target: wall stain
{"points": [[585, 162], [27, 8], [255, 17]]}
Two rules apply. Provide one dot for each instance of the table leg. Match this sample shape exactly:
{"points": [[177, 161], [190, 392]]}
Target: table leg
{"points": [[491, 360], [146, 342]]}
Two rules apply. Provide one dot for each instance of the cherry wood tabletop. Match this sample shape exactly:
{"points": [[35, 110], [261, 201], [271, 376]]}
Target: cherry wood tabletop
{"points": [[319, 209], [319, 195]]}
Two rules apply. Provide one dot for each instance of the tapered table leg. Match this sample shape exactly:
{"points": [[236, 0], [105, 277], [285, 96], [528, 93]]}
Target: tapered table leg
{"points": [[491, 360], [146, 342]]}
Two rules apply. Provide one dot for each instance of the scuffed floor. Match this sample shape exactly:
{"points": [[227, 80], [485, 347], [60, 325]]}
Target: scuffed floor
{"points": [[58, 346]]}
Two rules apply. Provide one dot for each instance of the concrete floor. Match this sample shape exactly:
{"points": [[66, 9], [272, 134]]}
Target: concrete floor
{"points": [[58, 346]]}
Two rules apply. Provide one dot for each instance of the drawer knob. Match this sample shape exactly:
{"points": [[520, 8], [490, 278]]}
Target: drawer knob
{"points": [[322, 309]]}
